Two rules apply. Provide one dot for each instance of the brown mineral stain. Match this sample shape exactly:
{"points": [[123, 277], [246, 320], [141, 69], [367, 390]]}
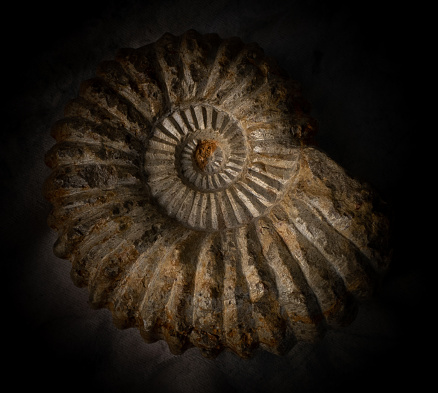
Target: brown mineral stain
{"points": [[203, 152]]}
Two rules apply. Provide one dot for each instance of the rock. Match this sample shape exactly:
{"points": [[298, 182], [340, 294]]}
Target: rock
{"points": [[191, 203]]}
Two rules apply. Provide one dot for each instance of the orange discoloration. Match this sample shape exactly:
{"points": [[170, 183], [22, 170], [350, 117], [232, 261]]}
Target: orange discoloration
{"points": [[203, 152]]}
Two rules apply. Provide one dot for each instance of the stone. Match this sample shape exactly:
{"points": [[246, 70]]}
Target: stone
{"points": [[192, 204]]}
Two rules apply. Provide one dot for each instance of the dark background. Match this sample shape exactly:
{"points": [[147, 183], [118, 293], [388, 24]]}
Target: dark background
{"points": [[359, 64]]}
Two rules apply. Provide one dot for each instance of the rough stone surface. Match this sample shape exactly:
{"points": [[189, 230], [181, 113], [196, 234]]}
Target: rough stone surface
{"points": [[191, 204]]}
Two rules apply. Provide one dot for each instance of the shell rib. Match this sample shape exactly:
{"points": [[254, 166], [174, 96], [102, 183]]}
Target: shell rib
{"points": [[189, 202]]}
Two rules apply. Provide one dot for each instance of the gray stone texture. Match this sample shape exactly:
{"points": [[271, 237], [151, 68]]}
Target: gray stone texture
{"points": [[208, 219]]}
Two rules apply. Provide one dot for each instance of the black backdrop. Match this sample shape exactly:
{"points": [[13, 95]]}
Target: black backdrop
{"points": [[356, 64]]}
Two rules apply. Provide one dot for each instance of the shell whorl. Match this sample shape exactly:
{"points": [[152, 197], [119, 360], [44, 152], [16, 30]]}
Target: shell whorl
{"points": [[202, 169], [187, 198]]}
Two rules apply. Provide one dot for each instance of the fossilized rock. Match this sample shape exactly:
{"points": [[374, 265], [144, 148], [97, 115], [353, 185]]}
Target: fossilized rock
{"points": [[190, 204]]}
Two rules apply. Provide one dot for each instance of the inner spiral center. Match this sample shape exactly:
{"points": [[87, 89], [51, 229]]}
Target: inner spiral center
{"points": [[197, 162], [204, 153]]}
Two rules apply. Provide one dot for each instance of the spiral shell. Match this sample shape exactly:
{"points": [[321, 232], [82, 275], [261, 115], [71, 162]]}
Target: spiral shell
{"points": [[190, 204]]}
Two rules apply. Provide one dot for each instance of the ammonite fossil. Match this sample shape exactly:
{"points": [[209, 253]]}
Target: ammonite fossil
{"points": [[189, 201]]}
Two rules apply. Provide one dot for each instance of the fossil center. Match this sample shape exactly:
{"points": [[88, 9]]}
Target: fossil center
{"points": [[208, 155], [202, 169]]}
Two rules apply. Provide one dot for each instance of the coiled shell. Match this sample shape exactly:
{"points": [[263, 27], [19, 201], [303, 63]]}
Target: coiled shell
{"points": [[190, 204]]}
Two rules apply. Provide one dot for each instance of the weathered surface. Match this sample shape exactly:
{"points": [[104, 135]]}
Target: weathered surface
{"points": [[189, 203]]}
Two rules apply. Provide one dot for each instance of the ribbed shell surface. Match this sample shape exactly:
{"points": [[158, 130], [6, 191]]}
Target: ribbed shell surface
{"points": [[190, 204]]}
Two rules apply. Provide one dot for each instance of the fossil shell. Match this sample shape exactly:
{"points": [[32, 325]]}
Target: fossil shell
{"points": [[189, 202]]}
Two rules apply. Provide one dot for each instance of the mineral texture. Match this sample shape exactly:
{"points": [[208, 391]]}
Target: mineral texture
{"points": [[191, 204]]}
